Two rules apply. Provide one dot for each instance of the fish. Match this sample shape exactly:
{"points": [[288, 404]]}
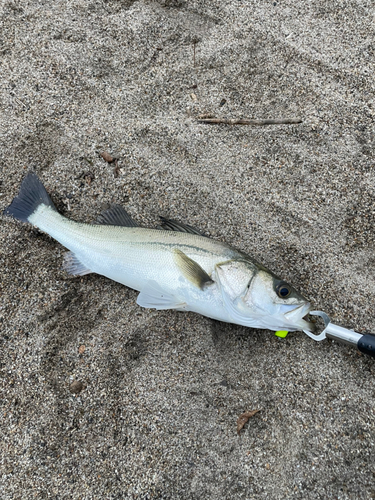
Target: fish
{"points": [[172, 267]]}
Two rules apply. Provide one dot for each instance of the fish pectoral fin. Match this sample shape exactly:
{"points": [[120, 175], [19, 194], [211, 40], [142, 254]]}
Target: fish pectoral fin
{"points": [[191, 269], [73, 265], [153, 296], [174, 225], [116, 215]]}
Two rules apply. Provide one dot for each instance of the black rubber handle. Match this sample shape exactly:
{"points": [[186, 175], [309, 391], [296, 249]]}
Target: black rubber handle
{"points": [[366, 344]]}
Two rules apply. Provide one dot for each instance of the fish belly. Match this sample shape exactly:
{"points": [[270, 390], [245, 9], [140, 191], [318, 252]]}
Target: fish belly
{"points": [[131, 257]]}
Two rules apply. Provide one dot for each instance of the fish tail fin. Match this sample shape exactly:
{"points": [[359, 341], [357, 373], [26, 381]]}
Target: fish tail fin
{"points": [[32, 194]]}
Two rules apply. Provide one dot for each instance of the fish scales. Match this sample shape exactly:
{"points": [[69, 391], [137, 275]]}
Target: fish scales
{"points": [[170, 269]]}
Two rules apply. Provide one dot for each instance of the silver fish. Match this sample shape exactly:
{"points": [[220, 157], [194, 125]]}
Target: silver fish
{"points": [[176, 268]]}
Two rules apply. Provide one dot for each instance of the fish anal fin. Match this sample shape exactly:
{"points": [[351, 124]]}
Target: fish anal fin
{"points": [[191, 269], [153, 296], [74, 266], [116, 215], [174, 225]]}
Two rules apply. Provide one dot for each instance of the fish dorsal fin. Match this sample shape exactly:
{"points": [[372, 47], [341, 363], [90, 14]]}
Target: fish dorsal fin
{"points": [[191, 269], [116, 215], [73, 265], [174, 225], [154, 297]]}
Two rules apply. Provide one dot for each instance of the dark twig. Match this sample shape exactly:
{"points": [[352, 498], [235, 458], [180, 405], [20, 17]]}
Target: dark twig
{"points": [[279, 121], [195, 41]]}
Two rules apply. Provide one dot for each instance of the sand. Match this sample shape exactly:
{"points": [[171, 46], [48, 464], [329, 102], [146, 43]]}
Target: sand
{"points": [[153, 409]]}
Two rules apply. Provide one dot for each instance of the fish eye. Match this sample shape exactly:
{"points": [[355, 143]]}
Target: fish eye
{"points": [[283, 290]]}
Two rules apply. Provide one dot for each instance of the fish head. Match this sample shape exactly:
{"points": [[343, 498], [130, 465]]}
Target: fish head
{"points": [[256, 297]]}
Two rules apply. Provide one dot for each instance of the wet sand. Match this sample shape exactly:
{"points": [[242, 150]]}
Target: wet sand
{"points": [[153, 409]]}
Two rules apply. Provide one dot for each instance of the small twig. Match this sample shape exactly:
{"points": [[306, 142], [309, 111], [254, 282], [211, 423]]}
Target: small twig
{"points": [[20, 102], [195, 41], [278, 121]]}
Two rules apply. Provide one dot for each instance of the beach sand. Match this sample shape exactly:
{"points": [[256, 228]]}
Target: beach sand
{"points": [[102, 399]]}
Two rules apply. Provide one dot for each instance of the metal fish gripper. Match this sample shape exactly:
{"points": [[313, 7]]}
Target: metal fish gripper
{"points": [[364, 343]]}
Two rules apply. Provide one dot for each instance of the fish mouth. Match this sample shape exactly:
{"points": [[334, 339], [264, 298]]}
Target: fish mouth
{"points": [[296, 317]]}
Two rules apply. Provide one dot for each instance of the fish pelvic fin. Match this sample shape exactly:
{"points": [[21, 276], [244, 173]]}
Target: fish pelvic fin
{"points": [[116, 215], [191, 269], [74, 266], [31, 195], [153, 296]]}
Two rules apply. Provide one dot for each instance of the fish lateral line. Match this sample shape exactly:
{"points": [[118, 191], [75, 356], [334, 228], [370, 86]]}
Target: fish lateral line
{"points": [[220, 282]]}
